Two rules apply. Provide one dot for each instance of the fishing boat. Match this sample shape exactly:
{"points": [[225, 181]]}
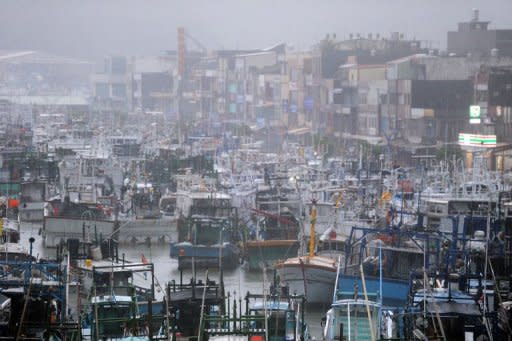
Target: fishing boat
{"points": [[277, 240], [387, 256], [355, 312], [32, 296], [438, 308], [188, 300], [314, 274], [99, 264], [207, 231], [114, 313], [117, 309], [146, 215], [66, 219], [276, 235], [273, 315]]}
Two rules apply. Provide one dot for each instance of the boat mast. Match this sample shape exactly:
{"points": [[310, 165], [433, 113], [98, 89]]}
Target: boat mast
{"points": [[265, 301], [372, 331], [312, 230], [199, 337], [488, 232]]}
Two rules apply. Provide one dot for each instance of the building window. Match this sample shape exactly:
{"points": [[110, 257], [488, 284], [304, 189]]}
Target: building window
{"points": [[118, 65], [119, 90], [481, 96], [372, 122], [363, 98], [102, 90]]}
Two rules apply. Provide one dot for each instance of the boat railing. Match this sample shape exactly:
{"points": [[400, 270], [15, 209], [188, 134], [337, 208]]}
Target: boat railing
{"points": [[352, 295], [30, 271], [107, 290], [211, 289], [133, 291], [241, 325]]}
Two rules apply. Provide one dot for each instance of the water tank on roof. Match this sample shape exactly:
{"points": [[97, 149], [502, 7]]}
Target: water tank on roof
{"points": [[476, 13]]}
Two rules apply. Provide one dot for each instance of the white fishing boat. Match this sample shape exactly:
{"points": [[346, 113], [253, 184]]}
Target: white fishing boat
{"points": [[314, 274]]}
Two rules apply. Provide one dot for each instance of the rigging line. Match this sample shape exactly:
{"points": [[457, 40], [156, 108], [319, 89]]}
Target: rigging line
{"points": [[497, 290]]}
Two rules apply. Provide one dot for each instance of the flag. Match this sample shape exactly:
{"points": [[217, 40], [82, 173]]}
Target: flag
{"points": [[386, 196], [144, 260]]}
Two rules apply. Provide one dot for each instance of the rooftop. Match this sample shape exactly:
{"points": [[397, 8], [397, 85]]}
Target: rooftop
{"points": [[46, 100]]}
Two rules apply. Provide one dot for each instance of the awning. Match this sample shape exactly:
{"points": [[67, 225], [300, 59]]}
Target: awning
{"points": [[370, 139], [299, 131]]}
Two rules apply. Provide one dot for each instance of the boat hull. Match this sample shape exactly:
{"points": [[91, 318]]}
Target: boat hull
{"points": [[59, 229], [205, 256], [315, 279], [394, 291]]}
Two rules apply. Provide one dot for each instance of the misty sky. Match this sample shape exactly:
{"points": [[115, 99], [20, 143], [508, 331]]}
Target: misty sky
{"points": [[93, 28]]}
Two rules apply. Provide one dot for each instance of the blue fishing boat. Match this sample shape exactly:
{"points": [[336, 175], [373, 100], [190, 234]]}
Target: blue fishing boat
{"points": [[387, 257]]}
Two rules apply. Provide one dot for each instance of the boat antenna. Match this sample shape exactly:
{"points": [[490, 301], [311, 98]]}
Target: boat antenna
{"points": [[199, 337], [486, 321], [425, 246], [221, 245], [112, 277], [380, 270], [264, 301], [336, 282], [312, 230]]}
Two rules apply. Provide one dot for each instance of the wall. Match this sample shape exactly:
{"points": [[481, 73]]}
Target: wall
{"points": [[478, 43]]}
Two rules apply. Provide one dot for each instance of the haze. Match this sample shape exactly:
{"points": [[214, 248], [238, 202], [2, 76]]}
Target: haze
{"points": [[95, 28]]}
